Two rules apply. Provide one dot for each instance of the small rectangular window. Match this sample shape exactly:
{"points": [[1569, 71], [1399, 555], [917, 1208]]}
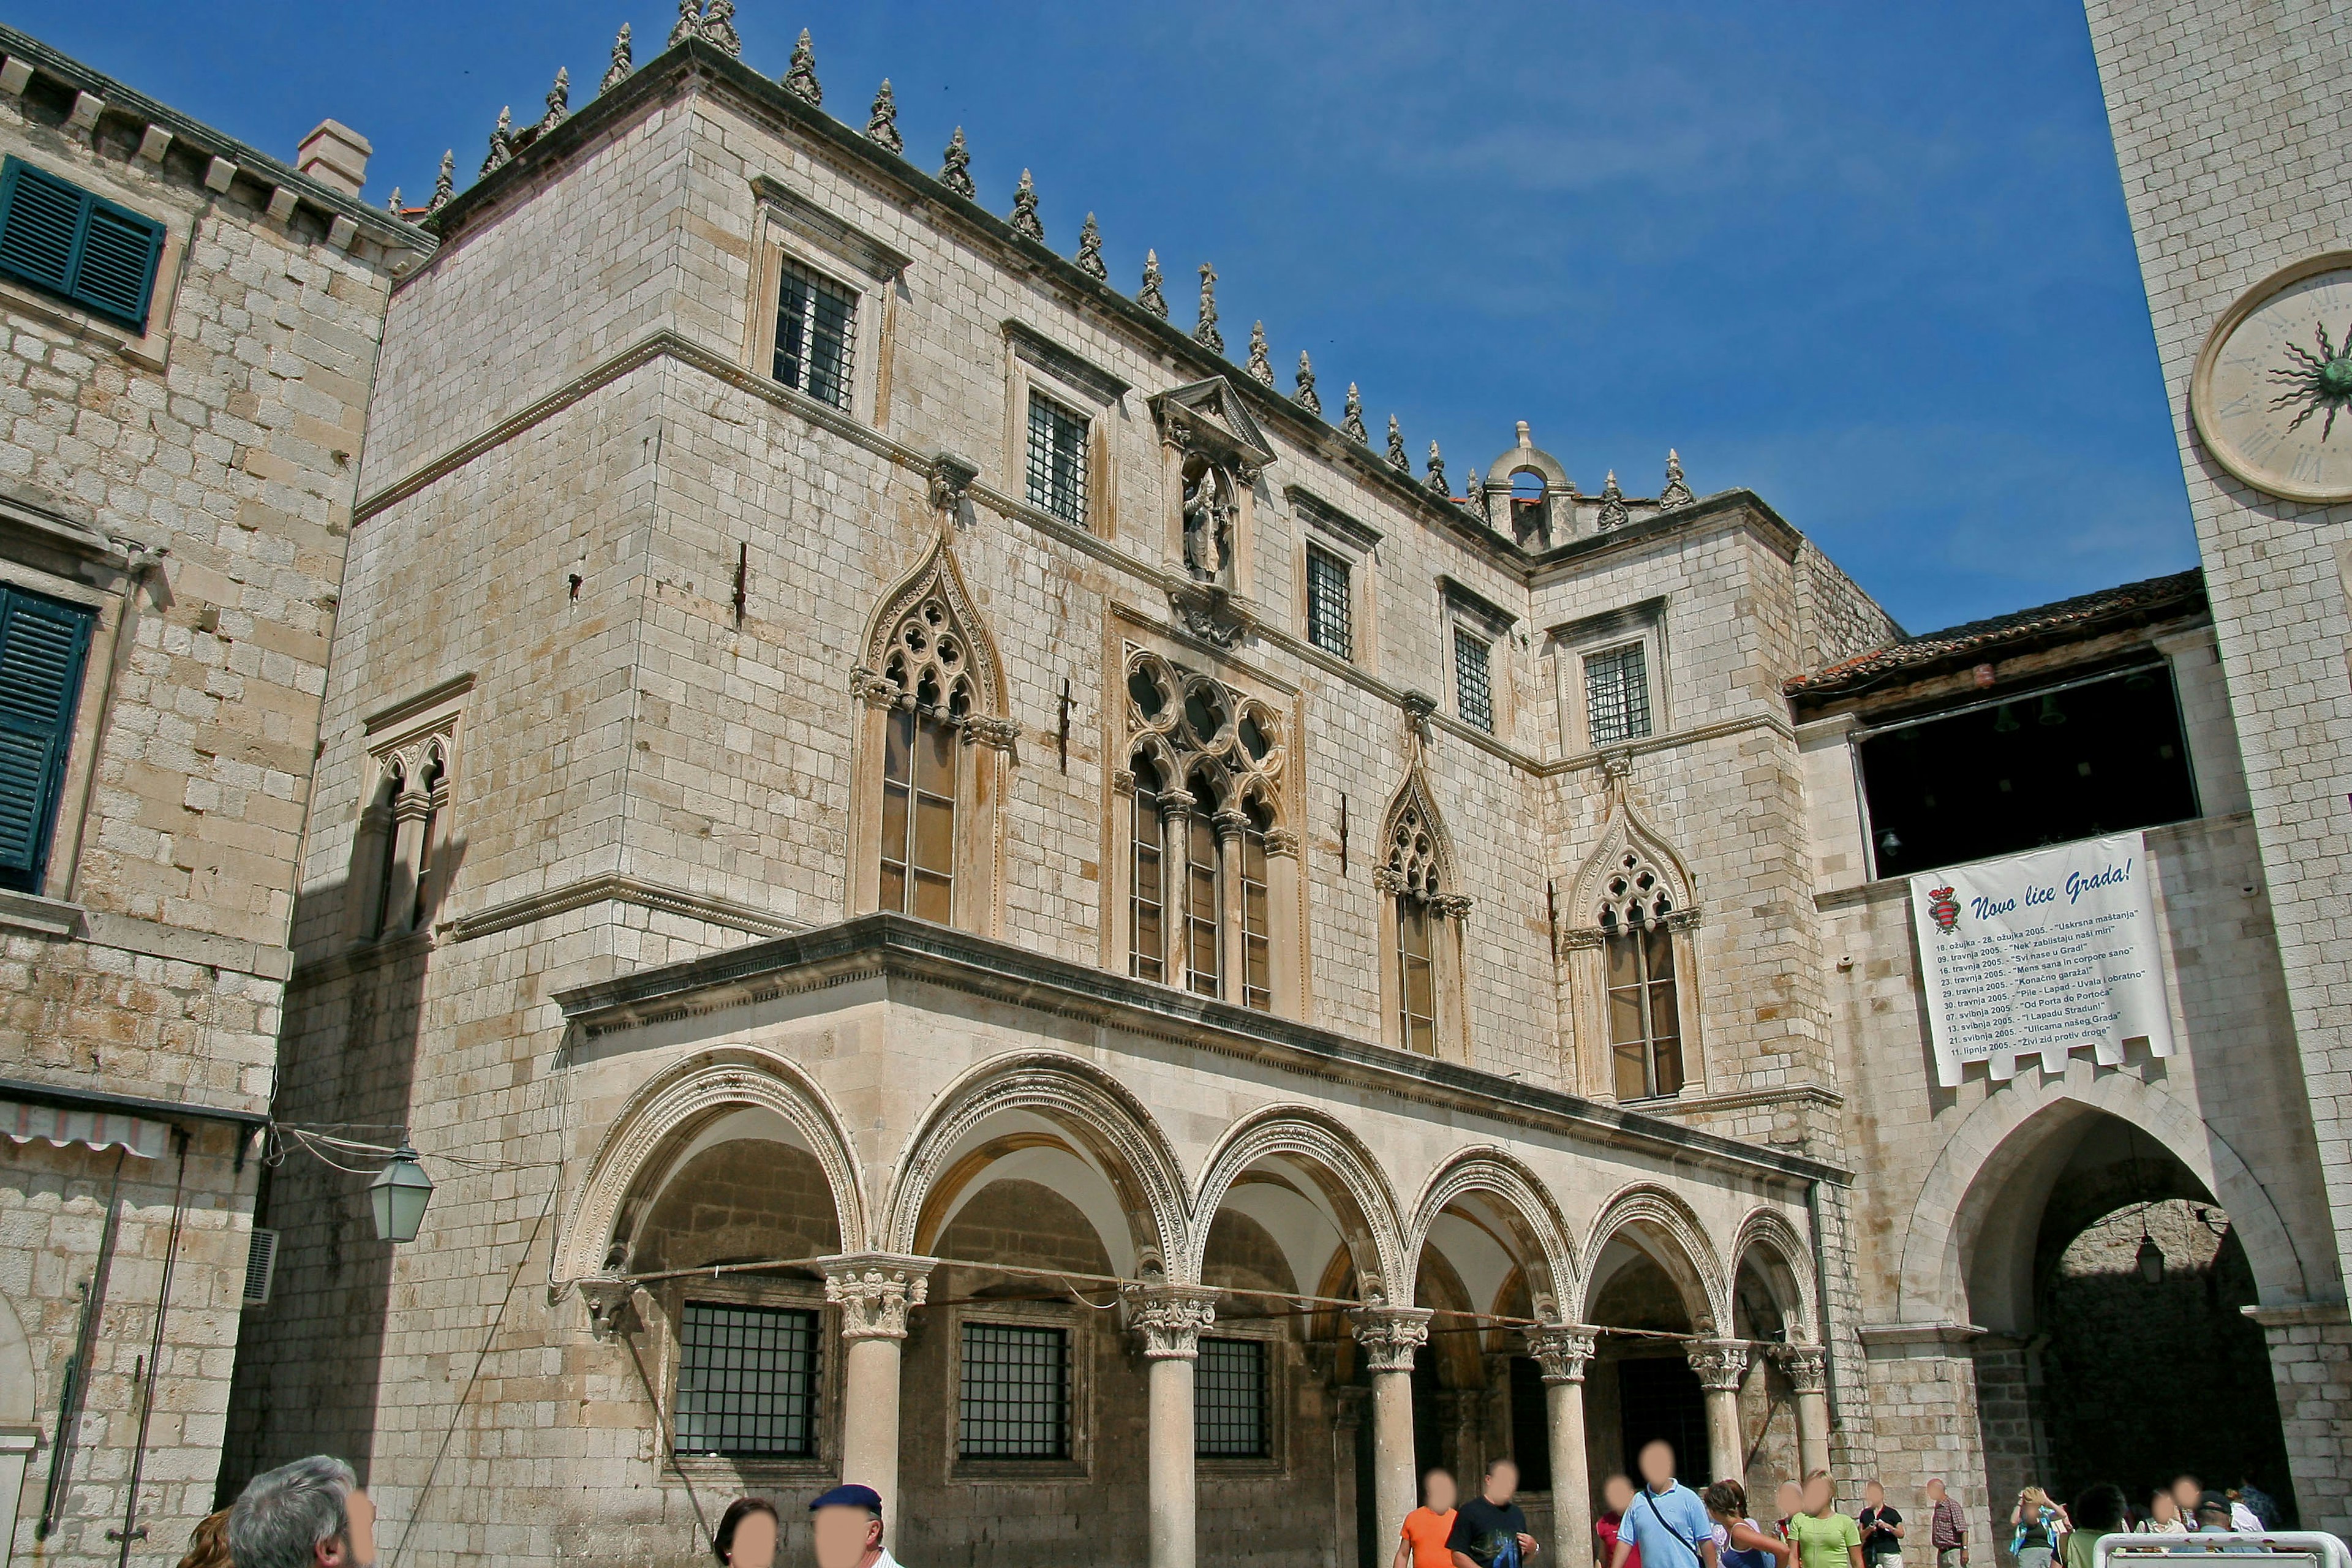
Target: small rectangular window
{"points": [[747, 1381], [1616, 695], [43, 646], [1644, 1023], [1229, 1400], [1016, 1397], [82, 248], [1331, 618], [817, 325], [1057, 460], [1474, 697]]}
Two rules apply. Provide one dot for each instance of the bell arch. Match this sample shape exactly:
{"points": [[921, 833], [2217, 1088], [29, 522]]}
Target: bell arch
{"points": [[1519, 1203], [1302, 1141], [658, 1127], [1658, 1224]]}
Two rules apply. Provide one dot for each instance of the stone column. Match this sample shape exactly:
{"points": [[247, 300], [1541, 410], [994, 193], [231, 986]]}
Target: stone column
{"points": [[1719, 1365], [1170, 1319], [1562, 1350], [1232, 950], [1806, 1368], [875, 1291], [1390, 1335], [1176, 804], [409, 813]]}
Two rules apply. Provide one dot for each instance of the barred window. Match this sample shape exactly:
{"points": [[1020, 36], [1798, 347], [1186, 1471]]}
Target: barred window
{"points": [[816, 324], [1057, 460], [747, 1381], [1473, 698], [1331, 618], [1229, 1400], [1616, 695], [1015, 1398]]}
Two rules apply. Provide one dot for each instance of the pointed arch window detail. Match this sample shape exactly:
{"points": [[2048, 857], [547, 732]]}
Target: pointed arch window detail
{"points": [[1422, 983], [1644, 1018]]}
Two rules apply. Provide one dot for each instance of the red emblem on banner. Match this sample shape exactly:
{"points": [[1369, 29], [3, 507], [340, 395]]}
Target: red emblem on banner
{"points": [[1944, 909]]}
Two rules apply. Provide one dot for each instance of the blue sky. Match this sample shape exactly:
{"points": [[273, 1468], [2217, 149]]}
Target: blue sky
{"points": [[1869, 260]]}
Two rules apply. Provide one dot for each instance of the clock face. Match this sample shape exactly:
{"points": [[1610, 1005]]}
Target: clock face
{"points": [[2273, 391]]}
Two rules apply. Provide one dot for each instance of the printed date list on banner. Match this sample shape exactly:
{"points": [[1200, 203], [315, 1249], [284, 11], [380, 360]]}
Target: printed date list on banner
{"points": [[2042, 955]]}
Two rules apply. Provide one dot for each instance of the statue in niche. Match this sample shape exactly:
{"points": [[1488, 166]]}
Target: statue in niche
{"points": [[1208, 514]]}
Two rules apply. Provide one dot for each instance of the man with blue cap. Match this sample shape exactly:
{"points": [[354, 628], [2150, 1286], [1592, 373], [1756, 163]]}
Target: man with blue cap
{"points": [[847, 1525]]}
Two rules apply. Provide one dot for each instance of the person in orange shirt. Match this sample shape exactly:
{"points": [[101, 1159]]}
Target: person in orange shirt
{"points": [[1427, 1527]]}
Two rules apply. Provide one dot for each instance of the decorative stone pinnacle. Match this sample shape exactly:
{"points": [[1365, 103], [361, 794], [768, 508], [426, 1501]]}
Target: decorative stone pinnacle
{"points": [[875, 1291], [1391, 1335], [559, 102], [688, 24], [1719, 1362], [719, 28], [1437, 473], [1353, 422], [1612, 503], [1025, 210], [882, 128], [1396, 446], [1259, 364], [1561, 1351], [1170, 1319], [623, 64], [1473, 493], [445, 182], [392, 203], [1677, 491], [1205, 331], [800, 76], [501, 142], [1090, 261], [1148, 296], [1306, 397], [955, 167]]}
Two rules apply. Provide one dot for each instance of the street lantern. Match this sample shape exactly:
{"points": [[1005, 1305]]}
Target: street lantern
{"points": [[2151, 1258], [398, 1194]]}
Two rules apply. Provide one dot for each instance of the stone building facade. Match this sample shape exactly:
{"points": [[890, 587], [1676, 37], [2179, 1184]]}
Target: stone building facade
{"points": [[190, 332]]}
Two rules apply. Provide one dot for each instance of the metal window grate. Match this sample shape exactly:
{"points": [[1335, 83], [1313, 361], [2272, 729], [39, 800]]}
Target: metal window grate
{"points": [[1616, 695], [1015, 1394], [747, 1381], [1473, 698], [816, 323], [260, 1267], [1057, 460], [1330, 619], [1229, 1400]]}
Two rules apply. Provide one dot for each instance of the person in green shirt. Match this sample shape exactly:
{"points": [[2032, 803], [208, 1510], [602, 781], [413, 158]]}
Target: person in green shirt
{"points": [[1823, 1537]]}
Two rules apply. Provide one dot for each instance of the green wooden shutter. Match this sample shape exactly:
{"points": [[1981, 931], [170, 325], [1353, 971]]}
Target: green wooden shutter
{"points": [[62, 239], [43, 646]]}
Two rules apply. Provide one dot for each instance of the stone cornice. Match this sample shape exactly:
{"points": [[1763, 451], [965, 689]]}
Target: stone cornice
{"points": [[616, 888], [893, 947]]}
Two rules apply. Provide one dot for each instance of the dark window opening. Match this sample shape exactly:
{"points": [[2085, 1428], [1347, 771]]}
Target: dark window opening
{"points": [[1530, 1426], [2041, 768], [1229, 1400], [747, 1381], [1015, 1395], [1659, 1396]]}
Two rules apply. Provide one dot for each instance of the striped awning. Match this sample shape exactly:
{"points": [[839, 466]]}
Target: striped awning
{"points": [[62, 1125]]}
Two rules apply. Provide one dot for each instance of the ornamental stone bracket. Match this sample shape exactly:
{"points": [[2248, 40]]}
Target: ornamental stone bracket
{"points": [[1719, 1362], [1805, 1366], [1170, 1319], [611, 1303], [997, 733], [1210, 613], [1562, 1350], [952, 479], [1391, 1335], [874, 1290]]}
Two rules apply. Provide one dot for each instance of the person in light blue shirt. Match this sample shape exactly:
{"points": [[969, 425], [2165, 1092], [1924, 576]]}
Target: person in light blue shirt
{"points": [[1667, 1523]]}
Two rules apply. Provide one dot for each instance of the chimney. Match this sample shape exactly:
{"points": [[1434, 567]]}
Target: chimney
{"points": [[335, 154]]}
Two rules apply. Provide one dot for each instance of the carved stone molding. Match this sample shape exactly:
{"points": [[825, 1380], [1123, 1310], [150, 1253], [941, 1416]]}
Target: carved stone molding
{"points": [[1000, 733], [1209, 612], [1170, 1319], [1281, 841], [874, 1290], [1451, 906], [612, 1305], [1122, 780], [1805, 1366], [1391, 1335], [1562, 1350], [1719, 1362], [873, 690], [950, 478]]}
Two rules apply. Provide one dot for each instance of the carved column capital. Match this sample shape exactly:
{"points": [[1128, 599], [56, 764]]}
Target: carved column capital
{"points": [[412, 804], [873, 690], [1719, 1362], [1170, 1319], [1391, 1335], [1281, 841], [999, 733], [1122, 781], [1805, 1366], [1230, 823], [1562, 1350], [875, 1291], [1451, 905], [1387, 882], [1176, 804]]}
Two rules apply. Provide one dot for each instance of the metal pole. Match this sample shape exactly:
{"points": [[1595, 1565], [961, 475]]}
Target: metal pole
{"points": [[154, 1359], [76, 1378]]}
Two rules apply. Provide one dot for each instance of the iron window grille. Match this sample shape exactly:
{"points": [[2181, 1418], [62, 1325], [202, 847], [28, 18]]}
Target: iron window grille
{"points": [[1330, 619], [1229, 1400], [817, 325], [1014, 1402], [1057, 460], [1616, 695], [1473, 695], [747, 1381], [65, 241]]}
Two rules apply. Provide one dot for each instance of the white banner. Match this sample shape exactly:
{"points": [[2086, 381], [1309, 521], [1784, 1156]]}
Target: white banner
{"points": [[2042, 955]]}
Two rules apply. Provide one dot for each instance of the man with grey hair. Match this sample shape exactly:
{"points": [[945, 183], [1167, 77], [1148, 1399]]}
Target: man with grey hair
{"points": [[309, 1514]]}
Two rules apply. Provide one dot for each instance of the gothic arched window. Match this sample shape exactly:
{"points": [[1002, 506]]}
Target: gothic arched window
{"points": [[1421, 980], [1638, 957]]}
